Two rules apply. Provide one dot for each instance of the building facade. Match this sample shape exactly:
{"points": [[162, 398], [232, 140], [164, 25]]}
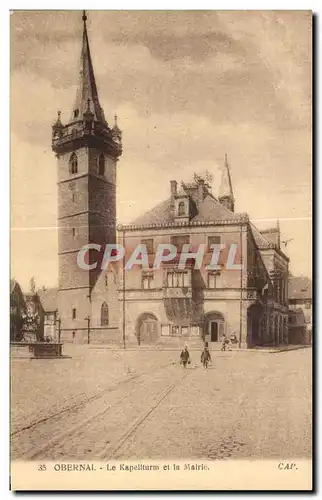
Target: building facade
{"points": [[87, 151], [245, 298], [300, 310], [246, 301]]}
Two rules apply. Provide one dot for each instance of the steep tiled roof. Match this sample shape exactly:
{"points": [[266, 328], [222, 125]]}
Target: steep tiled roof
{"points": [[48, 299], [158, 214], [260, 239], [210, 210], [299, 287], [271, 235]]}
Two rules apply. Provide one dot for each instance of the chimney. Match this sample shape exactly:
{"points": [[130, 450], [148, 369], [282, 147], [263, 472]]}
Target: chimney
{"points": [[201, 187], [173, 185]]}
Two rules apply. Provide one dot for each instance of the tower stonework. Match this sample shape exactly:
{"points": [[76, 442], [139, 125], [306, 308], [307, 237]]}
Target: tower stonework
{"points": [[87, 150]]}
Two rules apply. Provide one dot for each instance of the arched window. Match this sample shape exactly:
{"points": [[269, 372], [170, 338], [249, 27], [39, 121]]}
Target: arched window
{"points": [[104, 314], [73, 164], [181, 208], [101, 165]]}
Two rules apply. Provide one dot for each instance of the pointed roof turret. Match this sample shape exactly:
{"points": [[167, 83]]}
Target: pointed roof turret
{"points": [[87, 89], [117, 133], [226, 195]]}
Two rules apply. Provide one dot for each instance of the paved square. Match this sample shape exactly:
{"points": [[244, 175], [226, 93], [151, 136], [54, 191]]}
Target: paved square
{"points": [[102, 404]]}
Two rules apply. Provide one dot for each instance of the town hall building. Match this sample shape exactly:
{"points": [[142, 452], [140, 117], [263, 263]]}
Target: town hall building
{"points": [[166, 305]]}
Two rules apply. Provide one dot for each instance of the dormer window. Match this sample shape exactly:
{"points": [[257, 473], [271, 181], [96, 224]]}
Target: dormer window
{"points": [[181, 208], [76, 113], [73, 164], [101, 165]]}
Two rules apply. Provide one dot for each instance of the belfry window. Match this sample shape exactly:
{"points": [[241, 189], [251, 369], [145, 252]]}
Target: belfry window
{"points": [[101, 165], [73, 164], [181, 208], [76, 113], [104, 314]]}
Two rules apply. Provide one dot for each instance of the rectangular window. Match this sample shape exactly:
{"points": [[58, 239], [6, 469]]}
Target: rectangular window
{"points": [[170, 280], [165, 330], [74, 313], [147, 280], [213, 240], [73, 232], [195, 330], [184, 330], [180, 240], [307, 305], [149, 245], [212, 280], [175, 330], [177, 279]]}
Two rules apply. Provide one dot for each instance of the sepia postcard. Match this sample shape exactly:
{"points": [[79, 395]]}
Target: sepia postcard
{"points": [[161, 250]]}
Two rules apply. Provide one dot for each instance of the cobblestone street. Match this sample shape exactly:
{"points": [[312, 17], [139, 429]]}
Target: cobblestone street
{"points": [[103, 404]]}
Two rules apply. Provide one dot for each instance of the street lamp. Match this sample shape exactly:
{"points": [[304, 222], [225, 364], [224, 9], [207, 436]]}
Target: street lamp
{"points": [[88, 319]]}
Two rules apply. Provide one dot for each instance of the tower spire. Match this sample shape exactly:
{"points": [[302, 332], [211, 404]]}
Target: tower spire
{"points": [[87, 85], [226, 195]]}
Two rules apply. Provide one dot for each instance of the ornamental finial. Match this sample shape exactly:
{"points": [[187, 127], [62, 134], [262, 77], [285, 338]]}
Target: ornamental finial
{"points": [[84, 17]]}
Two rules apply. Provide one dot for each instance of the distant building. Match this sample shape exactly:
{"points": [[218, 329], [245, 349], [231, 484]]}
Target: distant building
{"points": [[300, 310]]}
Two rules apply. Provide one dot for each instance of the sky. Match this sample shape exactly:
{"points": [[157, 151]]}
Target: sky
{"points": [[188, 87]]}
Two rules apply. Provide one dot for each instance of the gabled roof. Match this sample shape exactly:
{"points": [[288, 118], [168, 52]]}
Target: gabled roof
{"points": [[14, 286], [48, 299], [299, 287], [211, 210], [158, 214], [260, 239], [271, 235]]}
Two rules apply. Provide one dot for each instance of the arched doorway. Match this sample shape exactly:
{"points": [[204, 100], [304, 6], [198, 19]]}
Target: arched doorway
{"points": [[255, 324], [147, 329], [214, 327]]}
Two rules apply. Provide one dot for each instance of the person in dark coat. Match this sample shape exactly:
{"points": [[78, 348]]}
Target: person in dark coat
{"points": [[185, 357], [205, 356]]}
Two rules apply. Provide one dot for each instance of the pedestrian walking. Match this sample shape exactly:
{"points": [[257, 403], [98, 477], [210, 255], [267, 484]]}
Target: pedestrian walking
{"points": [[205, 356], [224, 342], [185, 357]]}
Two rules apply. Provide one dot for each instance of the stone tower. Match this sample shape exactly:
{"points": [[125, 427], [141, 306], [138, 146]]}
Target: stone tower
{"points": [[226, 196], [87, 150]]}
